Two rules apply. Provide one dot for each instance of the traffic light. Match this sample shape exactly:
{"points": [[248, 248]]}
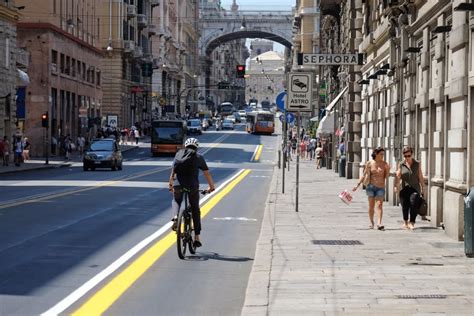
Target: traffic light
{"points": [[240, 71], [44, 120]]}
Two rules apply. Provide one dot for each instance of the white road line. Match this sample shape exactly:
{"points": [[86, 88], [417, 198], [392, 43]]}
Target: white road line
{"points": [[89, 285], [254, 153], [244, 219]]}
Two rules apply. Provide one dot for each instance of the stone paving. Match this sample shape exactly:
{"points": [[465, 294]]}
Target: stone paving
{"points": [[297, 271]]}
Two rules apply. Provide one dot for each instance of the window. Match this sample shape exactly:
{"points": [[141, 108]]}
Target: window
{"points": [[62, 63], [79, 69], [54, 57], [73, 67], [98, 78], [92, 71], [68, 65], [83, 71]]}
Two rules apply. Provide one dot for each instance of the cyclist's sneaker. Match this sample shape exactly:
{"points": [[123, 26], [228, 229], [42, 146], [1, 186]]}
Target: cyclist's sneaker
{"points": [[175, 223], [197, 244]]}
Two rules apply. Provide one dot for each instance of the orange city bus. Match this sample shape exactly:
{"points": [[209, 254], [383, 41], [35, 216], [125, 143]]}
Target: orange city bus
{"points": [[167, 136], [260, 122]]}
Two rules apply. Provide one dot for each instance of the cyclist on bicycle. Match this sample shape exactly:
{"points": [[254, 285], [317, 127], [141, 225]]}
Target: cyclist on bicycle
{"points": [[188, 177]]}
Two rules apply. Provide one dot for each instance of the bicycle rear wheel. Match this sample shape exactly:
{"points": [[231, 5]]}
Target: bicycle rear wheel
{"points": [[181, 235], [191, 247]]}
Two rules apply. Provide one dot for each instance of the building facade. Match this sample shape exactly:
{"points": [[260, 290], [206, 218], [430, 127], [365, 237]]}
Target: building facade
{"points": [[266, 73], [415, 89], [124, 40], [9, 16], [175, 56], [260, 46], [64, 68]]}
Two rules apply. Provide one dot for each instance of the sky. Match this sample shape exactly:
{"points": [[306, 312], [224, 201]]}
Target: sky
{"points": [[263, 5]]}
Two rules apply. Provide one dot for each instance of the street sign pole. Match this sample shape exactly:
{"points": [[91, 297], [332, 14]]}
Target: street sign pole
{"points": [[47, 145], [284, 154], [298, 152]]}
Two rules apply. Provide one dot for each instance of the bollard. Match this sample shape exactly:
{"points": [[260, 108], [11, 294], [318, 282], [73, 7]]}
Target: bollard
{"points": [[468, 224], [279, 159]]}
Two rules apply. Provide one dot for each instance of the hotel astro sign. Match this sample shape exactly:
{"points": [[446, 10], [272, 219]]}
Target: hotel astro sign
{"points": [[330, 59], [300, 92]]}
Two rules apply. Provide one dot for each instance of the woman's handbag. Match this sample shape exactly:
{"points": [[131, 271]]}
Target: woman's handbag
{"points": [[423, 207]]}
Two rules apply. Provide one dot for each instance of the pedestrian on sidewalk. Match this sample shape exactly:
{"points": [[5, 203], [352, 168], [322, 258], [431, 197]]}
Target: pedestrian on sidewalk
{"points": [[411, 193], [319, 155], [54, 145], [18, 149], [81, 143], [294, 144], [26, 149], [6, 151], [137, 135], [377, 170], [302, 149], [68, 147]]}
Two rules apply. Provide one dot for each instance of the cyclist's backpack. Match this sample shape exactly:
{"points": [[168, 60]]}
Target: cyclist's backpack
{"points": [[184, 162]]}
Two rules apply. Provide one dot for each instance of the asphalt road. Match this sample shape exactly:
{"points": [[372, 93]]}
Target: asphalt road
{"points": [[99, 242]]}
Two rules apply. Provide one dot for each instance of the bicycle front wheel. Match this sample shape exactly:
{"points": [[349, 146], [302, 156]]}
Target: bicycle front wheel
{"points": [[181, 235]]}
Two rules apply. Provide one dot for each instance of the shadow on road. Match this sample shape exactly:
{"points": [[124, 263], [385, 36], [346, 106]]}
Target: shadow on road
{"points": [[203, 256]]}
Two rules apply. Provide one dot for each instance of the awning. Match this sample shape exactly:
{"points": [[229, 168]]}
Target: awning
{"points": [[336, 99], [23, 78], [326, 126]]}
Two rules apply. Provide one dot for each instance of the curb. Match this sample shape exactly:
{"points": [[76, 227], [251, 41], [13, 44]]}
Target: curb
{"points": [[40, 167], [256, 294], [51, 166]]}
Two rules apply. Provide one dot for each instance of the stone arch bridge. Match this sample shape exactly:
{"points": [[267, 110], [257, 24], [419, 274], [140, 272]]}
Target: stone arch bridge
{"points": [[218, 28], [272, 25]]}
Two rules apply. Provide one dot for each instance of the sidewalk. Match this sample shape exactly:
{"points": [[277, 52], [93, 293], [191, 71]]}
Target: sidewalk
{"points": [[54, 162], [304, 264]]}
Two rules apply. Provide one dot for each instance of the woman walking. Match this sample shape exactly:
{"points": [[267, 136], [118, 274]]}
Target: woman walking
{"points": [[409, 171], [377, 171], [319, 155]]}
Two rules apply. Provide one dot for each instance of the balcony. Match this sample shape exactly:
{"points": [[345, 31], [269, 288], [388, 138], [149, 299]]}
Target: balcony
{"points": [[128, 46], [131, 11], [152, 29], [142, 20]]}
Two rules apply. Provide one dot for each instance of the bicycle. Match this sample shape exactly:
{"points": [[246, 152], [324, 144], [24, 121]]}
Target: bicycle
{"points": [[185, 227]]}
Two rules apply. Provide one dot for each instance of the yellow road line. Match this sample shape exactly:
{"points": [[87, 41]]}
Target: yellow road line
{"points": [[56, 195], [106, 296], [259, 153]]}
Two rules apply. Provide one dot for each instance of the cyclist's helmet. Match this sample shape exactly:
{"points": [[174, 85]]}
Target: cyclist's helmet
{"points": [[191, 142]]}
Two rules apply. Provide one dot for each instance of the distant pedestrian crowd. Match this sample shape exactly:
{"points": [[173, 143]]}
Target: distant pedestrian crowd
{"points": [[19, 148]]}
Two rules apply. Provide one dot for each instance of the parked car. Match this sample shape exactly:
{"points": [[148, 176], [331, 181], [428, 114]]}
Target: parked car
{"points": [[227, 124], [242, 113], [194, 126], [103, 153]]}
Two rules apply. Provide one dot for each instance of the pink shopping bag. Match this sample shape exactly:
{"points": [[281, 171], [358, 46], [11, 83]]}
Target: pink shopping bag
{"points": [[346, 197]]}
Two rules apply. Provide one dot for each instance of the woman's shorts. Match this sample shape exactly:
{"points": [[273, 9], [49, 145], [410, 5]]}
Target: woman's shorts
{"points": [[373, 191]]}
